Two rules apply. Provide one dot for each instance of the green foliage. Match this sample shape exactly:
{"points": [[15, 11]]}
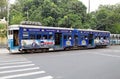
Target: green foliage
{"points": [[3, 14], [66, 13], [108, 18], [62, 13], [2, 26], [3, 31], [16, 17]]}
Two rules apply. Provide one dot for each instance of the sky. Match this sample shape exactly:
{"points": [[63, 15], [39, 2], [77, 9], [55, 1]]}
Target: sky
{"points": [[93, 3]]}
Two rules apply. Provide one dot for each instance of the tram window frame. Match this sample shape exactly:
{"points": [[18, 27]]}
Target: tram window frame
{"points": [[39, 36], [34, 36]]}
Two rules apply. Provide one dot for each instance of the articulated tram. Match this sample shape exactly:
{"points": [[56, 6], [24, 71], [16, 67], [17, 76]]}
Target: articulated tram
{"points": [[32, 38]]}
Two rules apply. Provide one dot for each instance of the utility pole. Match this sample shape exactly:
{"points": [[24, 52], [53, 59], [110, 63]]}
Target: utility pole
{"points": [[27, 16], [88, 6], [8, 11], [27, 13]]}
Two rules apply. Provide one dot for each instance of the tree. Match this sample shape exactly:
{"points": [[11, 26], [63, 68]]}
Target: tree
{"points": [[62, 13], [16, 17], [108, 18]]}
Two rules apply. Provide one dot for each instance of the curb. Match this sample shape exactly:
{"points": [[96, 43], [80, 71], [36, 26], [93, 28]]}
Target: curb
{"points": [[3, 50]]}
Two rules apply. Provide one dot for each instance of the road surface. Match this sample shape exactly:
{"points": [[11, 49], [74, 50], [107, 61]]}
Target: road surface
{"points": [[76, 64]]}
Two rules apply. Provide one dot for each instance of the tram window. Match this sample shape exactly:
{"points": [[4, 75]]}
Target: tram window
{"points": [[65, 36], [76, 37], [39, 36], [99, 37], [69, 37], [32, 36], [10, 32], [113, 36], [25, 35], [44, 36], [104, 37], [50, 37], [117, 37], [82, 37], [96, 37], [86, 37]]}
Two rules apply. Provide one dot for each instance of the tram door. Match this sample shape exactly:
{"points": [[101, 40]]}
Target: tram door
{"points": [[91, 39], [58, 39], [75, 40], [15, 37]]}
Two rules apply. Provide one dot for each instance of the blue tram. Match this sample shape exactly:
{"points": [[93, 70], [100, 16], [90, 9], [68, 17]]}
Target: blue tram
{"points": [[31, 38]]}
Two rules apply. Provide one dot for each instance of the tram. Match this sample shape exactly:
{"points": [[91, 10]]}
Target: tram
{"points": [[115, 39], [38, 38]]}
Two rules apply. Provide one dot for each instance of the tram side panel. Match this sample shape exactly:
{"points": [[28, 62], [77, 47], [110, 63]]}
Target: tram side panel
{"points": [[44, 39], [84, 39], [102, 39], [10, 40], [67, 39], [36, 39]]}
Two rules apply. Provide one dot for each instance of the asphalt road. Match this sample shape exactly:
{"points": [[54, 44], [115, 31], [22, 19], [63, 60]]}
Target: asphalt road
{"points": [[76, 64]]}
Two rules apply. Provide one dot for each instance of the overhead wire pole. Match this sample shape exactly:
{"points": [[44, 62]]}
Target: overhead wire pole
{"points": [[8, 8], [88, 6], [8, 13], [8, 5]]}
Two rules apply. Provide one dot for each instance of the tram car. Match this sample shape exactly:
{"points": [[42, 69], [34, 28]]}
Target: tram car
{"points": [[32, 38], [115, 39]]}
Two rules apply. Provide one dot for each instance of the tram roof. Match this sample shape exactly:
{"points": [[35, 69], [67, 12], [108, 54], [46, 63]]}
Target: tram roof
{"points": [[115, 35], [92, 30], [46, 27], [13, 27]]}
